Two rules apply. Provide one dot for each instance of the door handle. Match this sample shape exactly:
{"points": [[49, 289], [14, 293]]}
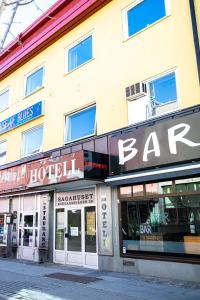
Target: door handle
{"points": [[67, 235]]}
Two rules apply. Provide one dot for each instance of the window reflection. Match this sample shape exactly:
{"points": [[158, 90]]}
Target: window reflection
{"points": [[167, 224], [59, 238]]}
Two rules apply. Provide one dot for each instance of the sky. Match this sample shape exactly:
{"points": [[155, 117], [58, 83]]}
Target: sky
{"points": [[24, 17]]}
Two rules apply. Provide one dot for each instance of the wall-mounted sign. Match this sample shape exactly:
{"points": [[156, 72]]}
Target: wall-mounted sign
{"points": [[105, 224], [44, 222], [169, 141], [79, 197], [22, 117], [69, 167]]}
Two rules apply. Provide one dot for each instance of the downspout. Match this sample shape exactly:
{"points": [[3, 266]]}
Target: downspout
{"points": [[195, 35]]}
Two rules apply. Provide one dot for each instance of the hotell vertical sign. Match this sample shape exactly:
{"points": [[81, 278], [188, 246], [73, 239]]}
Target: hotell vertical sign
{"points": [[169, 141]]}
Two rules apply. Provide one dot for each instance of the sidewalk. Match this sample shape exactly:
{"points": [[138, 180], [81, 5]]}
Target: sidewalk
{"points": [[27, 281]]}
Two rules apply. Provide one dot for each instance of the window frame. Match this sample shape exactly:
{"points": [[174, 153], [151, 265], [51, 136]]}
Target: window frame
{"points": [[31, 73], [125, 18], [1, 93], [177, 91], [66, 122], [72, 45], [1, 142], [154, 255], [23, 139]]}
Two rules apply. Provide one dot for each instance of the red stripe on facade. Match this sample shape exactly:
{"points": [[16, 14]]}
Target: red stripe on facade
{"points": [[57, 21]]}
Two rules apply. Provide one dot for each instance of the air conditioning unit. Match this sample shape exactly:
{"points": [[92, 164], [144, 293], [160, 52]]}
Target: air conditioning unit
{"points": [[136, 91]]}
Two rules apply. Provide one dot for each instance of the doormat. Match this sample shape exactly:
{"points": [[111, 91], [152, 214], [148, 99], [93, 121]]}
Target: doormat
{"points": [[71, 277]]}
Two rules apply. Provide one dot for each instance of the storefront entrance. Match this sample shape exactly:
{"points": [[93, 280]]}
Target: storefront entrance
{"points": [[75, 233], [28, 236]]}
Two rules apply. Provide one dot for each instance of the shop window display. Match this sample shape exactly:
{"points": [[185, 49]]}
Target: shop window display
{"points": [[163, 221]]}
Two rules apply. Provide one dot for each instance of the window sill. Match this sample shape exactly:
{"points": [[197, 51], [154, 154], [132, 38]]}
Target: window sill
{"points": [[4, 109], [39, 89], [85, 63], [80, 139], [126, 38], [29, 155], [192, 259], [164, 113]]}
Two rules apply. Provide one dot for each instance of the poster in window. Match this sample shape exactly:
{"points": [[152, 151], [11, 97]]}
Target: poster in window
{"points": [[90, 215]]}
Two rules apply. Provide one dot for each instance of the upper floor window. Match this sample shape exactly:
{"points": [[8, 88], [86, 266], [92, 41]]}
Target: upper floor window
{"points": [[158, 97], [4, 98], [32, 141], [81, 124], [143, 13], [34, 81], [3, 150], [80, 53], [163, 94]]}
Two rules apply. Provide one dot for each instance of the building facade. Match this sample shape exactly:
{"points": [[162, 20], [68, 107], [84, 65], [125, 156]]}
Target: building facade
{"points": [[99, 137]]}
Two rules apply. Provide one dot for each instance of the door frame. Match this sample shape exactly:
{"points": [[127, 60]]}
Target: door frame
{"points": [[63, 253], [22, 228]]}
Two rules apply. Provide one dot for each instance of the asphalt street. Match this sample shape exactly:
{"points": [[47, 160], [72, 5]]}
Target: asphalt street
{"points": [[30, 281]]}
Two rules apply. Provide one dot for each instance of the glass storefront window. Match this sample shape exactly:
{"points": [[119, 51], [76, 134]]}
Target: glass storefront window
{"points": [[167, 225], [159, 188], [59, 230], [125, 192], [138, 190], [90, 229]]}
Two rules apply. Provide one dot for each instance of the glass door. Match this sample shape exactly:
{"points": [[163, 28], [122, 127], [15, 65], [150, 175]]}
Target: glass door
{"points": [[74, 230], [28, 232]]}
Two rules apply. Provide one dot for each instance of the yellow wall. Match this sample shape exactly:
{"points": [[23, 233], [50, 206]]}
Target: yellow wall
{"points": [[117, 63], [197, 13]]}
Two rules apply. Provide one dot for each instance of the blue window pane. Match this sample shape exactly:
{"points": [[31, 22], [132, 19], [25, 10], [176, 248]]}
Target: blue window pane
{"points": [[145, 13], [80, 54], [163, 90], [33, 141], [34, 81], [81, 125]]}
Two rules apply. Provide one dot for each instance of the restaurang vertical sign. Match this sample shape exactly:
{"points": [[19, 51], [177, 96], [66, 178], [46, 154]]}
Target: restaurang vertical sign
{"points": [[44, 223]]}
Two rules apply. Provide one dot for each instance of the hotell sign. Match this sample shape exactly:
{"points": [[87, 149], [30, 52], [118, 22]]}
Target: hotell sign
{"points": [[168, 141], [78, 165]]}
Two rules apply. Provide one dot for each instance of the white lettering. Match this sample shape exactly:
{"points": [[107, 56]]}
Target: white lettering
{"points": [[73, 166], [155, 149], [41, 174], [122, 149], [33, 175], [49, 170], [65, 168], [58, 171], [173, 138]]}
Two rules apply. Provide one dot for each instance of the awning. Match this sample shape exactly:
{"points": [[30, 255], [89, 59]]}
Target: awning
{"points": [[172, 172]]}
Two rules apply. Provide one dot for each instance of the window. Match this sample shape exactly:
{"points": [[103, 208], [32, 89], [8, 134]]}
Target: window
{"points": [[3, 150], [168, 223], [34, 81], [4, 97], [143, 14], [59, 231], [81, 124], [32, 141], [80, 53], [163, 94]]}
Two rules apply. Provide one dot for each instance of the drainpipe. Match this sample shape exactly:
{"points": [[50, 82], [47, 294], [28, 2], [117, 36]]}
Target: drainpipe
{"points": [[195, 35]]}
